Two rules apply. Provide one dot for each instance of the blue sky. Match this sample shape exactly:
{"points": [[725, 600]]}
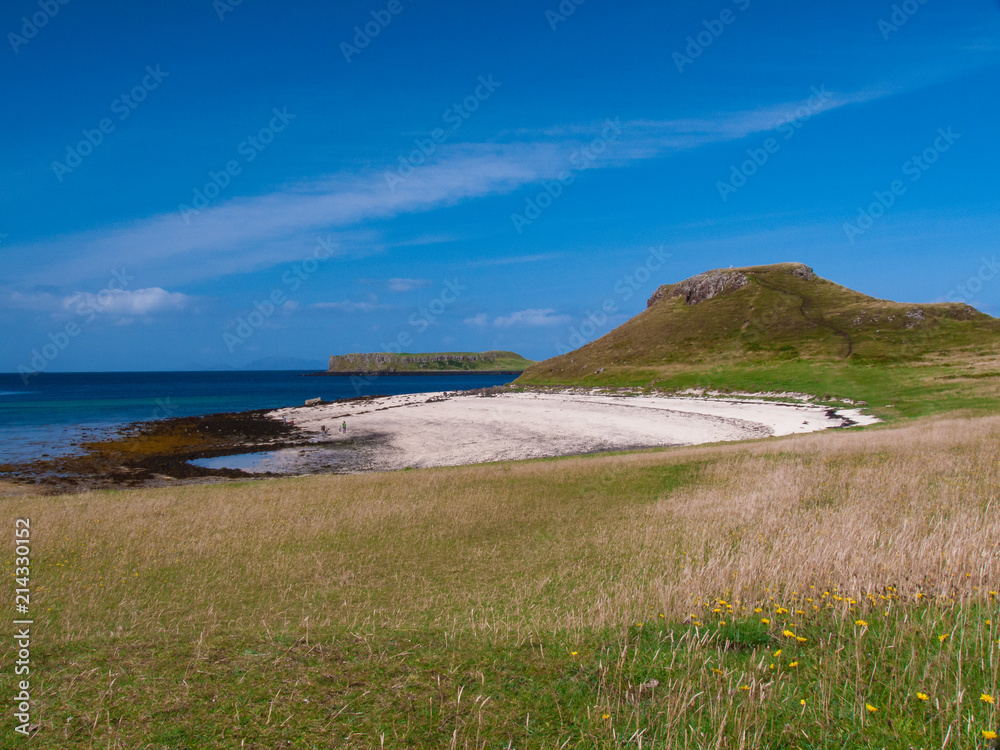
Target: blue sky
{"points": [[186, 184]]}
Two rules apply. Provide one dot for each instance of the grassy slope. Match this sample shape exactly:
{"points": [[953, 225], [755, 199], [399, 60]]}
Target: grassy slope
{"points": [[808, 335], [531, 604], [501, 361]]}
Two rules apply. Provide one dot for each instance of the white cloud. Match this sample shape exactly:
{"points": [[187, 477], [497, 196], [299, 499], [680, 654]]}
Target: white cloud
{"points": [[407, 285], [479, 321], [138, 302], [531, 318]]}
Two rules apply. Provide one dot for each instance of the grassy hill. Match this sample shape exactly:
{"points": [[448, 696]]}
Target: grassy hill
{"points": [[429, 362], [783, 327]]}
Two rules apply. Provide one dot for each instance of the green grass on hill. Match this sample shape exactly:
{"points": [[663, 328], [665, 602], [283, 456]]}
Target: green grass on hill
{"points": [[787, 330]]}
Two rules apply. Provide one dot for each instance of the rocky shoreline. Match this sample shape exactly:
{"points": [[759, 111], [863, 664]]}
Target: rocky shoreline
{"points": [[151, 454]]}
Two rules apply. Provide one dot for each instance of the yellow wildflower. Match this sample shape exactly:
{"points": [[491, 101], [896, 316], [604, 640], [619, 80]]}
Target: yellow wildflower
{"points": [[871, 708], [986, 698], [923, 696]]}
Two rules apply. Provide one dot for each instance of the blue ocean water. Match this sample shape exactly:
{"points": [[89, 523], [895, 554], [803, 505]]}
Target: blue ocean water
{"points": [[53, 412]]}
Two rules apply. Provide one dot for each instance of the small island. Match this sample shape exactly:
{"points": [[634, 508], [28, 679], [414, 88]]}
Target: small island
{"points": [[431, 363]]}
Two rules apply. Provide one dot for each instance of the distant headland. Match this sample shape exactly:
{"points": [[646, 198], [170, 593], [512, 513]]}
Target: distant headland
{"points": [[431, 363]]}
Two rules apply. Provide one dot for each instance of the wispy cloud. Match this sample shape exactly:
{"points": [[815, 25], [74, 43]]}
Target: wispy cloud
{"points": [[407, 285], [349, 306], [537, 258], [531, 318], [255, 232], [477, 321]]}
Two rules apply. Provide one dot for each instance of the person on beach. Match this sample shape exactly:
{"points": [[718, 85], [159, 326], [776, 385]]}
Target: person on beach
{"points": [[322, 429], [344, 427]]}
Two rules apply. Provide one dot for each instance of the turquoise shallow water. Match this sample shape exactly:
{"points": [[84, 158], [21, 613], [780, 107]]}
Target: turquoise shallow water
{"points": [[52, 412]]}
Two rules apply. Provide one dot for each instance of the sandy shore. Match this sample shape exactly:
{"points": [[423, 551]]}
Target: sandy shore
{"points": [[436, 429]]}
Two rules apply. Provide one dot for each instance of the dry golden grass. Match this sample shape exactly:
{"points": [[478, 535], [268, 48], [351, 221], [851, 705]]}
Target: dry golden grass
{"points": [[549, 544], [471, 576]]}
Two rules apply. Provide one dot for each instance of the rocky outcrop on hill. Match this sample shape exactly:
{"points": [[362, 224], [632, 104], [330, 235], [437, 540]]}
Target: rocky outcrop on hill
{"points": [[702, 287], [710, 284], [803, 272]]}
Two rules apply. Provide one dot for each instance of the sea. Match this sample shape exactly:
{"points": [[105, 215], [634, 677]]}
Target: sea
{"points": [[53, 413]]}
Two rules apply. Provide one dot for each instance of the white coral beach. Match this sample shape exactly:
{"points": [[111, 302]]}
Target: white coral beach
{"points": [[435, 429]]}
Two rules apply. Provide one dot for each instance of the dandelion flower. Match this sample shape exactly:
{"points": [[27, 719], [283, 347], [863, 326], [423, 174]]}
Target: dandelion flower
{"points": [[717, 671], [800, 639], [765, 621], [861, 623], [788, 633], [923, 696], [572, 653], [988, 735], [986, 698], [871, 708], [802, 702], [942, 637], [605, 716], [778, 652], [744, 687], [793, 664]]}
